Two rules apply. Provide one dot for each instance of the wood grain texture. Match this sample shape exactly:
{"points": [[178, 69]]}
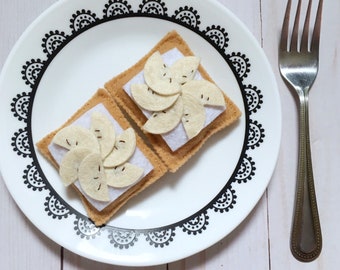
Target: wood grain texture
{"points": [[324, 119], [262, 240], [22, 246]]}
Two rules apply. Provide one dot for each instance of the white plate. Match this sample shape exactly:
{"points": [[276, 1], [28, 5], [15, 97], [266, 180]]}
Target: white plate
{"points": [[74, 48]]}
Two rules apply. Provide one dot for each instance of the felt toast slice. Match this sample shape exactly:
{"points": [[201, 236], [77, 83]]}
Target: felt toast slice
{"points": [[173, 159], [102, 216]]}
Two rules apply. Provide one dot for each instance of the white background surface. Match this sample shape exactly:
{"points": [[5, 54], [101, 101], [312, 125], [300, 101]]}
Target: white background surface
{"points": [[262, 240]]}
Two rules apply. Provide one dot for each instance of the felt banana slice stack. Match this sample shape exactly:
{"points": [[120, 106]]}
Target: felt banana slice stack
{"points": [[173, 96], [150, 100], [164, 121], [98, 157]]}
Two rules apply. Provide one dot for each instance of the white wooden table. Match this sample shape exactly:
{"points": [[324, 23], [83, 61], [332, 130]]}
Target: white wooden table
{"points": [[262, 240]]}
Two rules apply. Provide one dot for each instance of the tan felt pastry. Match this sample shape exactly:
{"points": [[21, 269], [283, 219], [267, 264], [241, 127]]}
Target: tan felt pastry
{"points": [[97, 158], [182, 92]]}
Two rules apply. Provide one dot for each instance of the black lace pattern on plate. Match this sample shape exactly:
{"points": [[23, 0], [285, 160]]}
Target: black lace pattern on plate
{"points": [[125, 238]]}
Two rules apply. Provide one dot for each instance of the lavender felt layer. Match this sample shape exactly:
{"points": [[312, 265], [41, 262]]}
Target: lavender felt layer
{"points": [[177, 137]]}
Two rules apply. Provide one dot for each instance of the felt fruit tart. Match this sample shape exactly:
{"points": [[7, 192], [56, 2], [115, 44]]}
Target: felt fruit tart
{"points": [[172, 98], [98, 153]]}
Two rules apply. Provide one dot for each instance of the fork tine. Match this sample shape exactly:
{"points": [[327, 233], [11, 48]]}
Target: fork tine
{"points": [[317, 28], [295, 34], [285, 28], [304, 41]]}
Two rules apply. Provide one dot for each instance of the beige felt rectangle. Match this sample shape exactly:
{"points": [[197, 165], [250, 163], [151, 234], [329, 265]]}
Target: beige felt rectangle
{"points": [[173, 160], [159, 169]]}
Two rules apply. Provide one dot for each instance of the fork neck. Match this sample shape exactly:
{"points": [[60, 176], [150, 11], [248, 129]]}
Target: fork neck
{"points": [[303, 93], [303, 101]]}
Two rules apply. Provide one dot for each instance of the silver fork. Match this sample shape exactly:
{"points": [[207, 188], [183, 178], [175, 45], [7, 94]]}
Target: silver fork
{"points": [[298, 63]]}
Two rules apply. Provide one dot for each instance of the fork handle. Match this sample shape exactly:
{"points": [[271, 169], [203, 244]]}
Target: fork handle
{"points": [[306, 238]]}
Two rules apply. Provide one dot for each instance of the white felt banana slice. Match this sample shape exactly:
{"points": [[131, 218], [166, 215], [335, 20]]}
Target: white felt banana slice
{"points": [[69, 166], [157, 76], [92, 177], [150, 100], [205, 91], [124, 148], [72, 136], [104, 131], [123, 175], [165, 121], [193, 115], [184, 69]]}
